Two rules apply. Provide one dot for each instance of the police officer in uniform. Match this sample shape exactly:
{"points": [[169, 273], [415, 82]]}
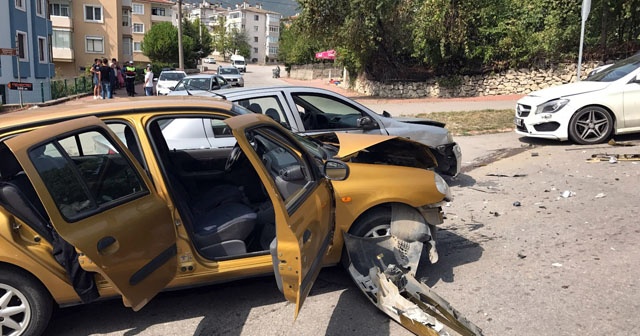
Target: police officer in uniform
{"points": [[129, 78]]}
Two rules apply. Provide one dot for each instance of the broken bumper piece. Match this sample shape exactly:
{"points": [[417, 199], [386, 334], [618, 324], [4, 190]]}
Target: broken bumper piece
{"points": [[381, 269]]}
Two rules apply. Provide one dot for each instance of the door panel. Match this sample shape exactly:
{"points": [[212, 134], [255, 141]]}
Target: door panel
{"points": [[102, 204], [302, 200]]}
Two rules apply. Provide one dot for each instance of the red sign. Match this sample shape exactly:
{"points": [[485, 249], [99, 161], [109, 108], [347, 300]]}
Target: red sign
{"points": [[22, 86], [7, 52]]}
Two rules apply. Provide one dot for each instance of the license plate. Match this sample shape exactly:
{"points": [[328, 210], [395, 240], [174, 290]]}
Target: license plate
{"points": [[518, 121]]}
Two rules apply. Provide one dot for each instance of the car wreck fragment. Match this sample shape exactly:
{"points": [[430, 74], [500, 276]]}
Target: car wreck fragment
{"points": [[384, 269]]}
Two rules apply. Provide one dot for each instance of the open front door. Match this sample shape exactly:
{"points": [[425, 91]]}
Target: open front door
{"points": [[302, 200], [102, 203]]}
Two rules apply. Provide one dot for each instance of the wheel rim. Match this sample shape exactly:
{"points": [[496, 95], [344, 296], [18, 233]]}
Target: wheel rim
{"points": [[592, 125], [15, 311], [378, 231]]}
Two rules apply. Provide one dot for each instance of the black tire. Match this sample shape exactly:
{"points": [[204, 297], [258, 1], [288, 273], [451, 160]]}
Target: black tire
{"points": [[373, 223], [591, 125], [24, 291]]}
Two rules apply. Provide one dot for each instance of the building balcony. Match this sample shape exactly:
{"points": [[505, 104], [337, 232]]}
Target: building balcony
{"points": [[61, 22], [126, 30], [160, 18], [63, 55], [126, 3]]}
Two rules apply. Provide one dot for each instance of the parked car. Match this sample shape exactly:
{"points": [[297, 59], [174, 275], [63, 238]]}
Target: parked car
{"points": [[585, 112], [210, 60], [167, 80], [194, 84], [96, 201], [311, 111], [232, 75]]}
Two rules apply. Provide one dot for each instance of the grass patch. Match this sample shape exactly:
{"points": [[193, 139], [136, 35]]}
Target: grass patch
{"points": [[474, 122]]}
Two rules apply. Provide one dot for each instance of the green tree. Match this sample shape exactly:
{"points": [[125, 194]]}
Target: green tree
{"points": [[201, 41], [160, 43], [238, 43]]}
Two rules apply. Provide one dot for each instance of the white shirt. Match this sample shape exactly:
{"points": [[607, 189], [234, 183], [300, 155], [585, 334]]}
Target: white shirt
{"points": [[148, 79]]}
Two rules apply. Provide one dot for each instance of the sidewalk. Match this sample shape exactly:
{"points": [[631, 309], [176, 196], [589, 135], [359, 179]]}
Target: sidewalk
{"points": [[119, 93]]}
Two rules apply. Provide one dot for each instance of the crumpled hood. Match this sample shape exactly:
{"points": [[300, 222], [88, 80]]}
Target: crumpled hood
{"points": [[570, 89], [385, 149], [421, 130]]}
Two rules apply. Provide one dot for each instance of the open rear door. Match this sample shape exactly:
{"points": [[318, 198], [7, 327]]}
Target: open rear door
{"points": [[302, 200], [102, 203]]}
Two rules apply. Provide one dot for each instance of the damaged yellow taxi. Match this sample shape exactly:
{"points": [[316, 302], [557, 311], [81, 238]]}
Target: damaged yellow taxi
{"points": [[129, 198]]}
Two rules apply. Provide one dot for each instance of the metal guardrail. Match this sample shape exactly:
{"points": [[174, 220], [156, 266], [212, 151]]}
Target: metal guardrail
{"points": [[67, 87]]}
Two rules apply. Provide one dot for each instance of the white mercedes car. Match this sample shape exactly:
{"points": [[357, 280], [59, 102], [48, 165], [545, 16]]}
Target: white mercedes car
{"points": [[586, 112]]}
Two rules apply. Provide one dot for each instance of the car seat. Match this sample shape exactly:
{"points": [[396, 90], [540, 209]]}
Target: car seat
{"points": [[273, 113]]}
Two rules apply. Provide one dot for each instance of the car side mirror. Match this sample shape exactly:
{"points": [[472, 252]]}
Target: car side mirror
{"points": [[335, 170], [366, 123], [155, 79]]}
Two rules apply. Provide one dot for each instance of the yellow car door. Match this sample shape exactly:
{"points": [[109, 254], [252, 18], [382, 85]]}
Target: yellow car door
{"points": [[102, 203], [302, 198]]}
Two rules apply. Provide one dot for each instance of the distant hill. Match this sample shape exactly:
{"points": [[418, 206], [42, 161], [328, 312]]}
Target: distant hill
{"points": [[284, 7]]}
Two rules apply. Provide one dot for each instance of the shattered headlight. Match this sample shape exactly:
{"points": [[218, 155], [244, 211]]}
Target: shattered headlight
{"points": [[552, 106], [443, 187]]}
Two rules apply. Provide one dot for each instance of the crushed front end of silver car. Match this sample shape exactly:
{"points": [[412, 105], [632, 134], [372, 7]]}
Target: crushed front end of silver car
{"points": [[384, 270]]}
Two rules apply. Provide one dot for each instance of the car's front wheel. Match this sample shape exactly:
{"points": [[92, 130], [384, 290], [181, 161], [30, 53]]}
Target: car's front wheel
{"points": [[591, 125], [25, 305]]}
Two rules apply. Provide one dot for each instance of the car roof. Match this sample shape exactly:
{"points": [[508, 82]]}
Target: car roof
{"points": [[36, 117], [202, 76], [254, 90], [172, 71]]}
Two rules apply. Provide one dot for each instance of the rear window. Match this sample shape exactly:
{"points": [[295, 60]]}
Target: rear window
{"points": [[171, 76]]}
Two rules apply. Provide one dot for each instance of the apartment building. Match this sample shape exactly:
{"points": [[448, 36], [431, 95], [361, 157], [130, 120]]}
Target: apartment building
{"points": [[144, 14], [262, 27], [90, 29], [29, 34]]}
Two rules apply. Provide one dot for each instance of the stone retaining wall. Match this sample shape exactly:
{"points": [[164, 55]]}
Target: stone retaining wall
{"points": [[315, 71], [520, 81]]}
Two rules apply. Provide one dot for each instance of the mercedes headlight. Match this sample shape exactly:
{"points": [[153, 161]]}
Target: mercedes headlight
{"points": [[552, 106]]}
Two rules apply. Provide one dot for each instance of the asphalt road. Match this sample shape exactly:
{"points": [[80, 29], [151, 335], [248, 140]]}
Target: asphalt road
{"points": [[550, 266]]}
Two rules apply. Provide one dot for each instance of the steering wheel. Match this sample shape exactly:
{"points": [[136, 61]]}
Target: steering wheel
{"points": [[233, 157]]}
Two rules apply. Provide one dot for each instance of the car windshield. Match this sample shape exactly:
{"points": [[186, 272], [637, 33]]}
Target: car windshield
{"points": [[228, 71], [194, 84], [316, 147], [617, 71], [171, 76]]}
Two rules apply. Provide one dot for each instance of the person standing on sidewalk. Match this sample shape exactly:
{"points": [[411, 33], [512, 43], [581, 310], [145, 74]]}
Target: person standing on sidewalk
{"points": [[95, 74], [148, 81], [105, 79], [130, 78]]}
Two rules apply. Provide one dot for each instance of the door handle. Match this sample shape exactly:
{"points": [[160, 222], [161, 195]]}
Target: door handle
{"points": [[107, 245]]}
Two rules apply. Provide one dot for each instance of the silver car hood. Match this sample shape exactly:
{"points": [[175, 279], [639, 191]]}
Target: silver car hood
{"points": [[416, 130]]}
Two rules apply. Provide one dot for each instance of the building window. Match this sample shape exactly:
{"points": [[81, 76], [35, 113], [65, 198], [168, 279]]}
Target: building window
{"points": [[23, 52], [137, 8], [21, 4], [138, 28], [127, 44], [272, 39], [255, 50], [255, 39], [255, 28], [159, 11], [273, 50], [42, 49], [61, 39], [234, 15], [59, 10], [40, 5], [274, 29], [256, 18], [126, 18], [93, 13], [137, 46], [94, 44]]}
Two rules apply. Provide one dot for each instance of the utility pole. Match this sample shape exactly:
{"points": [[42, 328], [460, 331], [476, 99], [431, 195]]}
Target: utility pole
{"points": [[180, 51], [586, 8]]}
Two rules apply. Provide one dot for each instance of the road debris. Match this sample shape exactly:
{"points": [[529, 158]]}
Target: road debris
{"points": [[556, 264], [568, 193], [601, 195], [503, 175], [517, 204], [613, 158], [534, 154], [621, 143]]}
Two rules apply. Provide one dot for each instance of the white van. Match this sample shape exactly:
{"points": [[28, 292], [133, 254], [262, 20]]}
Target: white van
{"points": [[239, 62]]}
